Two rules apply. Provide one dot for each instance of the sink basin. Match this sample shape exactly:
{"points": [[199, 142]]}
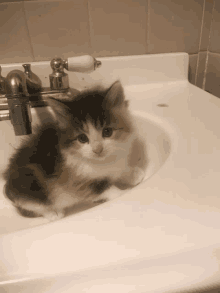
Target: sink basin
{"points": [[157, 147], [162, 235]]}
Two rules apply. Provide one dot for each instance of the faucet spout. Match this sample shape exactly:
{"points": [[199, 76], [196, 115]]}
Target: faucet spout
{"points": [[18, 102]]}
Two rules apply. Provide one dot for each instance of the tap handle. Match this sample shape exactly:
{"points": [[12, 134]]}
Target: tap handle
{"points": [[58, 78], [84, 64], [57, 65]]}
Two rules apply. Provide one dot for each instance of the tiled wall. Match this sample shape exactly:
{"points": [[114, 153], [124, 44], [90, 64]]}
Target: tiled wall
{"points": [[212, 76], [36, 30]]}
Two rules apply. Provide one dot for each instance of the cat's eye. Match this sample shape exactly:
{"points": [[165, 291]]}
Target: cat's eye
{"points": [[107, 132], [83, 138]]}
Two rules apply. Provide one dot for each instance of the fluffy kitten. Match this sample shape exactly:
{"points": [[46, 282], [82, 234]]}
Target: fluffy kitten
{"points": [[91, 146]]}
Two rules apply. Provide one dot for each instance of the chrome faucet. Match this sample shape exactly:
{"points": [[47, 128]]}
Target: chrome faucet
{"points": [[16, 89], [19, 86]]}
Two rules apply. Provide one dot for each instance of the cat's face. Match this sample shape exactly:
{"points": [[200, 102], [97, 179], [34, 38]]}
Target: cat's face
{"points": [[96, 142], [97, 123]]}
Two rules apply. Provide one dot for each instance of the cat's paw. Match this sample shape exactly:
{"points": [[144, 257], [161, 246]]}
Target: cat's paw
{"points": [[138, 176], [122, 185], [53, 216], [100, 201]]}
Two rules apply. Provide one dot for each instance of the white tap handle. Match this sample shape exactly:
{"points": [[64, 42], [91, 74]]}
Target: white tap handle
{"points": [[82, 64]]}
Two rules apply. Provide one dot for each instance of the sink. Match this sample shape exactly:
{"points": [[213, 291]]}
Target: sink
{"points": [[162, 235]]}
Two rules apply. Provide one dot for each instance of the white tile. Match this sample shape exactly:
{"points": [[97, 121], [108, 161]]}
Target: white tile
{"points": [[118, 27], [14, 41], [58, 29]]}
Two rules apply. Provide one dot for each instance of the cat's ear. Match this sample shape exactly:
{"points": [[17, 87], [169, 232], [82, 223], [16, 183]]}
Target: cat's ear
{"points": [[61, 112], [115, 95]]}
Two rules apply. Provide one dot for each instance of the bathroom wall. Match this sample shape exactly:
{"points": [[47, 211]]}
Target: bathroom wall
{"points": [[36, 30], [212, 67]]}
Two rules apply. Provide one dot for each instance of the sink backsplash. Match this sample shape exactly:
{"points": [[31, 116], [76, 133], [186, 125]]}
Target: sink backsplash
{"points": [[114, 28], [129, 69]]}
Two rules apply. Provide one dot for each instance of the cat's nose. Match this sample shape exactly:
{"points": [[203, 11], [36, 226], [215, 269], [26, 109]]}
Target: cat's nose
{"points": [[98, 149]]}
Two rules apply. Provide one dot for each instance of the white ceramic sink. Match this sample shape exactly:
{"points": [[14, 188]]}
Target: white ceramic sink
{"points": [[161, 236]]}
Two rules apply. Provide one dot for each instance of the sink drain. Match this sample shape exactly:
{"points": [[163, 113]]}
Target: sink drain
{"points": [[162, 105]]}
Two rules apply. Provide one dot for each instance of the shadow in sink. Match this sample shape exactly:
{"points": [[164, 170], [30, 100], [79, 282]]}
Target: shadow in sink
{"points": [[157, 147], [157, 144]]}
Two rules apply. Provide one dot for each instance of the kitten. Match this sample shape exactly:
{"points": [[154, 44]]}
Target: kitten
{"points": [[91, 146]]}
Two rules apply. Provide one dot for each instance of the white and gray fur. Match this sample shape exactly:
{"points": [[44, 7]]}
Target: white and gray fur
{"points": [[77, 157]]}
